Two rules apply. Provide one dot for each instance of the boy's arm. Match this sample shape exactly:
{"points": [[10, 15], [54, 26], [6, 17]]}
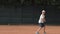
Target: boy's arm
{"points": [[43, 19]]}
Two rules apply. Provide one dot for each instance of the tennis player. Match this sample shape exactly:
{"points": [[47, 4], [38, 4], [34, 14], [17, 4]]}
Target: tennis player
{"points": [[41, 22]]}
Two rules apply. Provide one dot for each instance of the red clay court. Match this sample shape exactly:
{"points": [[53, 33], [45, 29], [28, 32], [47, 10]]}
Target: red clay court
{"points": [[27, 29]]}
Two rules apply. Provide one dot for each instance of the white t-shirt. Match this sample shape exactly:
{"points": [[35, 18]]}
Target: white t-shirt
{"points": [[40, 19]]}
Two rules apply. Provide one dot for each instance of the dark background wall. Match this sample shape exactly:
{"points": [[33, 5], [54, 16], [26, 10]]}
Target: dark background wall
{"points": [[28, 11], [29, 15]]}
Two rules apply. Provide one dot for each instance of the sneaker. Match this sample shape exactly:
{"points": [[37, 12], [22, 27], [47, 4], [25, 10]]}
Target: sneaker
{"points": [[37, 32], [44, 32]]}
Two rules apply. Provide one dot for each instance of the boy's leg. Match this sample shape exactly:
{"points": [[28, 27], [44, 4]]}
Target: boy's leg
{"points": [[39, 29], [37, 32], [44, 30]]}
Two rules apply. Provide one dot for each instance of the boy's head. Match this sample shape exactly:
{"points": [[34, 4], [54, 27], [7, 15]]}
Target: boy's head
{"points": [[43, 11]]}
